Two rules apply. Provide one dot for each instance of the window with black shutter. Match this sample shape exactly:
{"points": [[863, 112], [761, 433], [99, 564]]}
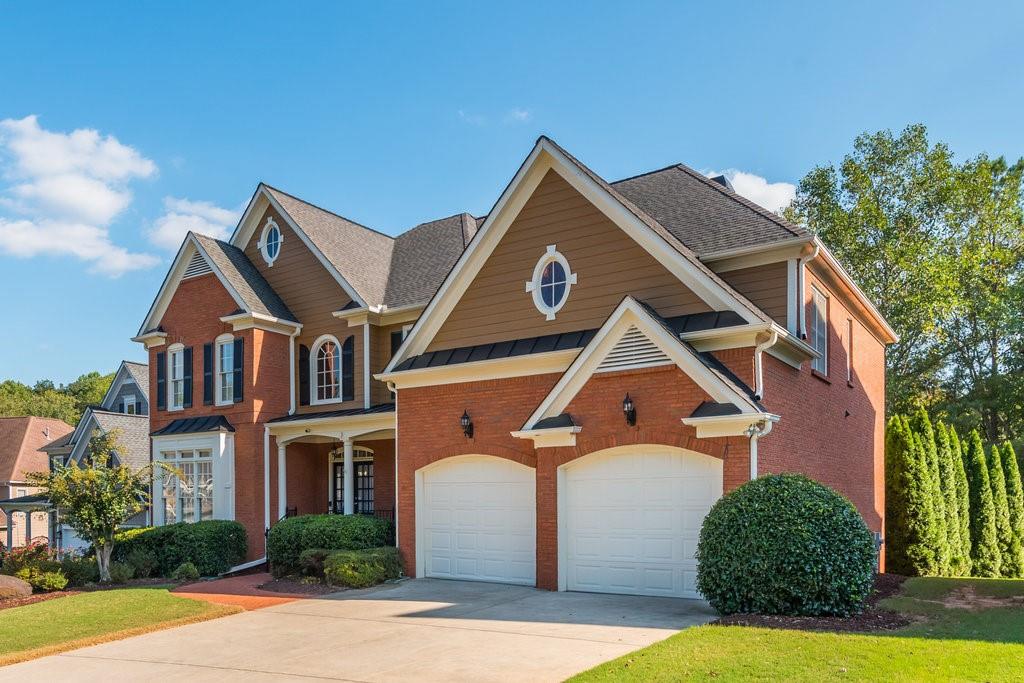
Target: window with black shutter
{"points": [[239, 364], [207, 374], [187, 377], [303, 375], [161, 381], [348, 378]]}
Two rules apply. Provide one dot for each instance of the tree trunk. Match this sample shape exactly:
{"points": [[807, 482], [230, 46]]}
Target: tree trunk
{"points": [[103, 561]]}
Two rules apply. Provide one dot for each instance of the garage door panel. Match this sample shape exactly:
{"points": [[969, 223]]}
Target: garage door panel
{"points": [[633, 518], [480, 517]]}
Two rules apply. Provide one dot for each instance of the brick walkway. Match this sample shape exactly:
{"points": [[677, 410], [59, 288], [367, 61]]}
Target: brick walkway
{"points": [[237, 590]]}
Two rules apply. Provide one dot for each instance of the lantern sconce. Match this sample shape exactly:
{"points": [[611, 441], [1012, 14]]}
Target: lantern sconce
{"points": [[467, 424], [629, 410]]}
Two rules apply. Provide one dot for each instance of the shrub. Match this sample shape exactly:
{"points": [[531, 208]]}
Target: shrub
{"points": [[51, 581], [289, 537], [958, 565], [35, 556], [924, 435], [784, 544], [909, 530], [79, 570], [362, 568], [13, 587], [186, 571], [311, 560], [213, 546], [143, 561], [963, 493], [984, 537], [1015, 502]]}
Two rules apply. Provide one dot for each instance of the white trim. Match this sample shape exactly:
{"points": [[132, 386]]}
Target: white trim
{"points": [[171, 351], [534, 285], [271, 224], [226, 339], [549, 438], [728, 425], [791, 295], [858, 293], [757, 249], [221, 447], [134, 404], [759, 255], [121, 377], [269, 323], [495, 368], [314, 383], [366, 365], [546, 156], [266, 483]]}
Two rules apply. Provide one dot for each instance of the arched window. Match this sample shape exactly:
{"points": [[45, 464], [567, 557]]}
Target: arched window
{"points": [[331, 370]]}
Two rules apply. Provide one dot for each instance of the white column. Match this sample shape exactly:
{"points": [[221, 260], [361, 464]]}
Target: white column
{"points": [[282, 482], [28, 527], [753, 457], [350, 480], [10, 528]]}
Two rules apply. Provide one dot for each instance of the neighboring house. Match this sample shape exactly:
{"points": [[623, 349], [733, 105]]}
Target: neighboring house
{"points": [[21, 439], [553, 394], [125, 407]]}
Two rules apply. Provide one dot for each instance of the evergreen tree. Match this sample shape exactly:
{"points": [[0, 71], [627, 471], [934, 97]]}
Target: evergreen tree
{"points": [[963, 493], [908, 523], [1004, 534], [923, 432], [948, 486], [1015, 502], [984, 539]]}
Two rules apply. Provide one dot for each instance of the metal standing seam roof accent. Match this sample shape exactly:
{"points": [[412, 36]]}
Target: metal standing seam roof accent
{"points": [[347, 412], [195, 425], [713, 409]]}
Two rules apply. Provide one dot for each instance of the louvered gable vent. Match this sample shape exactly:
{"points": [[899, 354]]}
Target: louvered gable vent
{"points": [[634, 350], [197, 266]]}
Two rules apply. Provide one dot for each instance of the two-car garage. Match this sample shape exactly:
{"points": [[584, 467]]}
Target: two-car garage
{"points": [[628, 521]]}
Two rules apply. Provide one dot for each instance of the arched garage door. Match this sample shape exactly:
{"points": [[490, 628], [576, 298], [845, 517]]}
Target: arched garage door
{"points": [[632, 518], [476, 520]]}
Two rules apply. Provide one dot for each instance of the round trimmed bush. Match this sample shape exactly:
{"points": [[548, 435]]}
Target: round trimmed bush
{"points": [[784, 544]]}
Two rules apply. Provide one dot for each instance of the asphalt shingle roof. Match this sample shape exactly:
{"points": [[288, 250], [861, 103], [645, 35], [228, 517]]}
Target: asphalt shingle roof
{"points": [[134, 435], [256, 293], [140, 374], [20, 441], [423, 256]]}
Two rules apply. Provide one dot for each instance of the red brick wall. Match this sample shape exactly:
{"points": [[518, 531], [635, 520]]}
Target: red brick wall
{"points": [[193, 319]]}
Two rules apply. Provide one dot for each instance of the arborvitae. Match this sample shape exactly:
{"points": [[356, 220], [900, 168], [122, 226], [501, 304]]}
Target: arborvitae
{"points": [[1004, 533], [963, 493], [922, 427], [947, 483], [984, 541], [908, 524], [1015, 502]]}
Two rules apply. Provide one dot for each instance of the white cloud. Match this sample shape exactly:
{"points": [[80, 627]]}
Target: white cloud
{"points": [[518, 116], [183, 215], [772, 196], [67, 189]]}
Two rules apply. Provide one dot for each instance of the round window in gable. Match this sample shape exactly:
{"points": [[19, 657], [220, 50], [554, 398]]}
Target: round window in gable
{"points": [[270, 241], [552, 280]]}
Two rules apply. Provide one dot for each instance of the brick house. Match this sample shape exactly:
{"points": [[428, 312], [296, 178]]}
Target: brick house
{"points": [[553, 394]]}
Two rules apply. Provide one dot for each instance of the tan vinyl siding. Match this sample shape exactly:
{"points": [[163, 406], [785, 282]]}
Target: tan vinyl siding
{"points": [[608, 263], [380, 356], [764, 285]]}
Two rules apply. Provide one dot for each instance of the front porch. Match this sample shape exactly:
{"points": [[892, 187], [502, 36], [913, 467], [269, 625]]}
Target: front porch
{"points": [[335, 463]]}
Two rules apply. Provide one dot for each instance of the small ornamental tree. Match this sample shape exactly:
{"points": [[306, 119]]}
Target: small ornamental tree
{"points": [[921, 425], [1015, 503], [963, 493], [908, 527], [947, 486], [984, 538], [96, 498]]}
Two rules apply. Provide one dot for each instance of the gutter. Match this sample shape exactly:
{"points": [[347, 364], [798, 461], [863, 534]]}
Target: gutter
{"points": [[773, 338]]}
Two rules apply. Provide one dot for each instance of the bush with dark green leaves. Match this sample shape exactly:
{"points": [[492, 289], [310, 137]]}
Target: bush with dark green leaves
{"points": [[985, 557], [79, 569], [290, 537], [186, 571], [213, 546], [362, 568], [784, 544], [909, 517], [121, 572], [1015, 504], [311, 561]]}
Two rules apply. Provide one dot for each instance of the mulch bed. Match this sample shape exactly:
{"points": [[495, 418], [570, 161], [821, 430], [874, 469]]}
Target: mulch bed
{"points": [[295, 587], [871, 619], [36, 597]]}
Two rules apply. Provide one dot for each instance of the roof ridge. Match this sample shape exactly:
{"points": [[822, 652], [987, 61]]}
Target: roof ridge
{"points": [[645, 173], [426, 223], [328, 211]]}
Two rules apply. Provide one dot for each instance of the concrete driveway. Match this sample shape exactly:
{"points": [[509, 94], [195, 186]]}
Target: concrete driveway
{"points": [[423, 630]]}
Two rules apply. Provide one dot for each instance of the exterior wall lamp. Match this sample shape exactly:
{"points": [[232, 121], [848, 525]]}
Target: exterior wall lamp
{"points": [[630, 411], [467, 424]]}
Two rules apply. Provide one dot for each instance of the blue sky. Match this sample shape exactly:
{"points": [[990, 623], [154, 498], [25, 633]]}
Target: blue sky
{"points": [[154, 117]]}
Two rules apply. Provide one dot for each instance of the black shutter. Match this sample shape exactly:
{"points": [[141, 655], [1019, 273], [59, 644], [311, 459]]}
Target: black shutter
{"points": [[187, 376], [396, 342], [207, 374], [303, 375], [239, 358], [161, 381], [348, 378]]}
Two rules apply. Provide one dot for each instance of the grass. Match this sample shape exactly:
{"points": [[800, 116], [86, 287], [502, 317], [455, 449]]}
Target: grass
{"points": [[944, 644], [53, 626]]}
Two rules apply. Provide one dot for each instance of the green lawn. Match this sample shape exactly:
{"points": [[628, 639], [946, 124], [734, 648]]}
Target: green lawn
{"points": [[65, 623], [946, 644]]}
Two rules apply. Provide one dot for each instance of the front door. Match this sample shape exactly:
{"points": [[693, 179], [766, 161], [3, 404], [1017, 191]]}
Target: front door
{"points": [[363, 503]]}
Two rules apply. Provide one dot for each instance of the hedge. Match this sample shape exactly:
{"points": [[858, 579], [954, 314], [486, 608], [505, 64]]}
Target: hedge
{"points": [[289, 537], [362, 568], [213, 546], [783, 544]]}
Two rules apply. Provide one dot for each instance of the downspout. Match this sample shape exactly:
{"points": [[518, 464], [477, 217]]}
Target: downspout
{"points": [[802, 288], [394, 390], [755, 432], [773, 337]]}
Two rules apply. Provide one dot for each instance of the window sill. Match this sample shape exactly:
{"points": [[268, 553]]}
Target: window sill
{"points": [[821, 376]]}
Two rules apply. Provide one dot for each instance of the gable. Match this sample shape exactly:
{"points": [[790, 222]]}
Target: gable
{"points": [[309, 290], [123, 385], [608, 262], [198, 301]]}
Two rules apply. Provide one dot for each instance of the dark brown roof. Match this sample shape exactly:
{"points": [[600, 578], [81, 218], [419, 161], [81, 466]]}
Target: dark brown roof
{"points": [[20, 441], [255, 292], [423, 256]]}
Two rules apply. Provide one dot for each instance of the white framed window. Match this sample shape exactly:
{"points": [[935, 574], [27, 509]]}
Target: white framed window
{"points": [[187, 495], [551, 282], [325, 370], [130, 406], [176, 377], [225, 369], [270, 241], [20, 493], [819, 329]]}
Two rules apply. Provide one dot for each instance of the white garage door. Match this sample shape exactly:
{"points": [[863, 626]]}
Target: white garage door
{"points": [[476, 517], [633, 518]]}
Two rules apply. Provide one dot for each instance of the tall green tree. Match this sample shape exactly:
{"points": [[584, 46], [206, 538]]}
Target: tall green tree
{"points": [[958, 562], [44, 399], [909, 524], [1009, 545], [963, 493], [924, 435], [985, 555], [1015, 502]]}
